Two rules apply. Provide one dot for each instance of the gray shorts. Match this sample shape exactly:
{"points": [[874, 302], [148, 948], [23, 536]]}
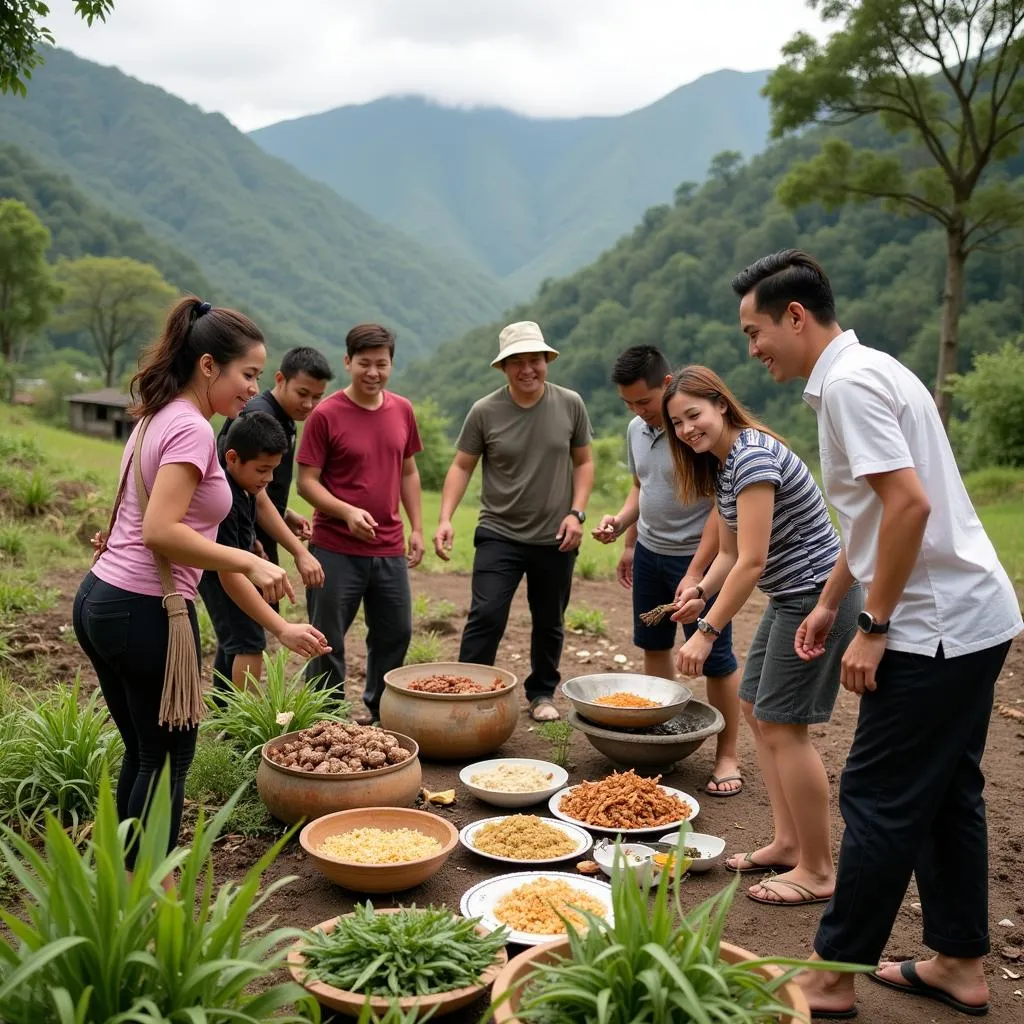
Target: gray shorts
{"points": [[782, 687]]}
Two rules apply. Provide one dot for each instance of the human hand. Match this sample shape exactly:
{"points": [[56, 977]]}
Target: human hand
{"points": [[809, 642], [444, 537], [624, 569], [607, 531], [692, 655], [304, 639], [98, 539], [257, 548], [861, 660], [311, 571], [299, 525], [689, 605], [416, 548], [270, 579], [570, 534], [361, 524]]}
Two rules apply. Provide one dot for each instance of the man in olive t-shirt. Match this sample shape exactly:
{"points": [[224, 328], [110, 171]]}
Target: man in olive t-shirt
{"points": [[534, 440]]}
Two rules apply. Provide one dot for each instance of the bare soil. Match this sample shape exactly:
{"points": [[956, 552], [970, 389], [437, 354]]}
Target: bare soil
{"points": [[743, 820]]}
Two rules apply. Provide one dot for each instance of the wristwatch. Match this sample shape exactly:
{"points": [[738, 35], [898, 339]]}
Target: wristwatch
{"points": [[867, 623], [705, 627], [581, 516]]}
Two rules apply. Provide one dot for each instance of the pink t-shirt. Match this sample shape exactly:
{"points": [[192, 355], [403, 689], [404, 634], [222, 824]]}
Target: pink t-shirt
{"points": [[177, 433]]}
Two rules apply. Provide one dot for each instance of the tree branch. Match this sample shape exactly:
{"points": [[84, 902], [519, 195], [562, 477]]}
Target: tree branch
{"points": [[924, 205]]}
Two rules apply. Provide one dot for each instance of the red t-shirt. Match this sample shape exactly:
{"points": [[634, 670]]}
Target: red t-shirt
{"points": [[359, 453]]}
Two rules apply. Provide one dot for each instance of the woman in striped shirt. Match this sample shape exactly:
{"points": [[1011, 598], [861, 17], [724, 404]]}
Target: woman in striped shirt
{"points": [[775, 533]]}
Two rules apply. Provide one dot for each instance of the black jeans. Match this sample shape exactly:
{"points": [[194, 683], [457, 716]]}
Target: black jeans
{"points": [[125, 638], [498, 567], [911, 798], [382, 585]]}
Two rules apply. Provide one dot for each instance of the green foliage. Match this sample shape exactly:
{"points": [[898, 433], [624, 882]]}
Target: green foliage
{"points": [[588, 567], [586, 620], [995, 484], [216, 773], [612, 479], [559, 735], [207, 634], [94, 945], [424, 648], [993, 396], [437, 452], [12, 540], [55, 756], [119, 303], [27, 288], [18, 595], [278, 704], [34, 493]]}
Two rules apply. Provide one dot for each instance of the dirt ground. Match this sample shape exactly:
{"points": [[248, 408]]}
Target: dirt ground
{"points": [[744, 820]]}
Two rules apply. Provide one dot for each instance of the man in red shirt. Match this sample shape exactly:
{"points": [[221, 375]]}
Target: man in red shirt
{"points": [[355, 465]]}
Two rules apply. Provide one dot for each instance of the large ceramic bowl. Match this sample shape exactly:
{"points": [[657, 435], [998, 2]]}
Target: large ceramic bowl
{"points": [[292, 794], [639, 750], [375, 878], [451, 727], [583, 692], [519, 967], [351, 1003], [522, 798]]}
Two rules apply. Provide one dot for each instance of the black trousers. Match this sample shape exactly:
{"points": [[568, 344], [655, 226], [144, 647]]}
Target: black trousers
{"points": [[498, 567], [125, 638], [911, 798]]}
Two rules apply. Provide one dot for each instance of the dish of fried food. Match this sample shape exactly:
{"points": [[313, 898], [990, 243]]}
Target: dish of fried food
{"points": [[624, 801]]}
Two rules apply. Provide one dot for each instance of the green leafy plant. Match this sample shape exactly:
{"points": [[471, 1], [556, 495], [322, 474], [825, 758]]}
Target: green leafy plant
{"points": [[216, 773], [420, 607], [657, 962], [415, 952], [424, 648], [587, 620], [35, 493], [207, 634], [559, 734], [395, 1014], [587, 568], [13, 541], [279, 704], [18, 595], [56, 757], [94, 944]]}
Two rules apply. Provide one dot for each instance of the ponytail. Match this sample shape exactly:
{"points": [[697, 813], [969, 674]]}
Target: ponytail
{"points": [[193, 329]]}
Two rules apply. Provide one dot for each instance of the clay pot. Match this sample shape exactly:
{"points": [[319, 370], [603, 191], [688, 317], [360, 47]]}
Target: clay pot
{"points": [[453, 727], [291, 794], [351, 1003], [519, 967], [367, 878]]}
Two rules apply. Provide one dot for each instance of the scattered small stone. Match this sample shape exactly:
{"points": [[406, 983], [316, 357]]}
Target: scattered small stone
{"points": [[619, 659], [916, 907], [583, 655], [1012, 952], [1006, 923]]}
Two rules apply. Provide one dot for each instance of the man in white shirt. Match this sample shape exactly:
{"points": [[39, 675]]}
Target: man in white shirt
{"points": [[939, 615]]}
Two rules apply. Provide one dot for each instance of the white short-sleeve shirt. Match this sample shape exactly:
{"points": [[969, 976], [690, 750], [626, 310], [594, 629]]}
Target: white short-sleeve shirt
{"points": [[875, 416]]}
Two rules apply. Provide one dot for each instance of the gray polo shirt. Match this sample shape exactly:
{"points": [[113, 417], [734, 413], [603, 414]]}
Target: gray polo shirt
{"points": [[666, 525]]}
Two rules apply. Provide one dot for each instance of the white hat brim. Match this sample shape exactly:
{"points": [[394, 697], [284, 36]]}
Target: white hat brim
{"points": [[518, 348]]}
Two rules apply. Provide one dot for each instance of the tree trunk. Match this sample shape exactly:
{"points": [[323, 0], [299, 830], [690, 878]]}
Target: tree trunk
{"points": [[952, 302]]}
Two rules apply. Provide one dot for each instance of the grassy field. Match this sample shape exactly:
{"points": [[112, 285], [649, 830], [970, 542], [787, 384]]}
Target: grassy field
{"points": [[998, 494]]}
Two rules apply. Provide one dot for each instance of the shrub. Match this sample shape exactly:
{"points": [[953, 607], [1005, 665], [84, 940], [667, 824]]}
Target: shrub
{"points": [[586, 620], [424, 648]]}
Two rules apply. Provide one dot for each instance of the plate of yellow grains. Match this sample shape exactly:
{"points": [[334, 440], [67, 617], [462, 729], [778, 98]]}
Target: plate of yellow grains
{"points": [[526, 839], [379, 846], [529, 903]]}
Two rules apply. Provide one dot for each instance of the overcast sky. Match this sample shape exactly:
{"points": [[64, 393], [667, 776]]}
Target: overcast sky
{"points": [[260, 61]]}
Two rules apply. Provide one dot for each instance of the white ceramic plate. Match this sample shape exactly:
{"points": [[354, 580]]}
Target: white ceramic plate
{"points": [[559, 777], [582, 838], [484, 896], [557, 799]]}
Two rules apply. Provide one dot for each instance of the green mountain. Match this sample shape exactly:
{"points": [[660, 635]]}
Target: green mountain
{"points": [[81, 227], [668, 283], [303, 261], [525, 198]]}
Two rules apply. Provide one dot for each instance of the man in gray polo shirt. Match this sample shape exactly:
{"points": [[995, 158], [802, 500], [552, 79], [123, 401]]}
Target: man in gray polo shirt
{"points": [[669, 545]]}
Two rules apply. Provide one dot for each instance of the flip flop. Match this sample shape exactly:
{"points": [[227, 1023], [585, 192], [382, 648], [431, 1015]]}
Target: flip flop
{"points": [[807, 897], [916, 987], [752, 867], [540, 702], [834, 1014], [727, 792]]}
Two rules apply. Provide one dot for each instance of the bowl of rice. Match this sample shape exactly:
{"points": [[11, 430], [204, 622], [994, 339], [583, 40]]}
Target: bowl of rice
{"points": [[379, 849], [513, 781]]}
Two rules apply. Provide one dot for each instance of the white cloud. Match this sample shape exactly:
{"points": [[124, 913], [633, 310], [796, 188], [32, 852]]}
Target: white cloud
{"points": [[258, 61]]}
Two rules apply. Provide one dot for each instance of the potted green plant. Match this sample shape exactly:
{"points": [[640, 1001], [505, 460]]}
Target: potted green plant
{"points": [[656, 962]]}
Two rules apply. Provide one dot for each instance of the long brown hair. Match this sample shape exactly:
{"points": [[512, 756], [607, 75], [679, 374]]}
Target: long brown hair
{"points": [[696, 472], [193, 329]]}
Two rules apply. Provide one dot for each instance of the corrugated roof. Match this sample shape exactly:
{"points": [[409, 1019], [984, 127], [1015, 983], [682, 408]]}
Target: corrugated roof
{"points": [[105, 396]]}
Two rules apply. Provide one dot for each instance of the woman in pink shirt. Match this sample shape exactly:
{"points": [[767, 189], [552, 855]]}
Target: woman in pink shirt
{"points": [[206, 361]]}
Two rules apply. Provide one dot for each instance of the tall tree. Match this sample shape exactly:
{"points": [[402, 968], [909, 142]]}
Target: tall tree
{"points": [[21, 35], [117, 301], [943, 76], [27, 287]]}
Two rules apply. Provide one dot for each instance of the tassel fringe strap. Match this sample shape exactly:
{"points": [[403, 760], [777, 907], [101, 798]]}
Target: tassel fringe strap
{"points": [[181, 704], [655, 615]]}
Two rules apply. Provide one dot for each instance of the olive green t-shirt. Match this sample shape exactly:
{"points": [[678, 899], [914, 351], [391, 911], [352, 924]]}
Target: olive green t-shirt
{"points": [[526, 457]]}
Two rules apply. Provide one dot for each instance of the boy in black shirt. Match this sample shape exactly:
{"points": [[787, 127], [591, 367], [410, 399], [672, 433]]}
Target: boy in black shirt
{"points": [[253, 447]]}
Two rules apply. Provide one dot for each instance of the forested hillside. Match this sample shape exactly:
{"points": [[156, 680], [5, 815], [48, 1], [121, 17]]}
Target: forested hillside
{"points": [[297, 256], [668, 283], [526, 198]]}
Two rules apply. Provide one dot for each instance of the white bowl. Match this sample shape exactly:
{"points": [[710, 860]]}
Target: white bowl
{"points": [[646, 869], [559, 777], [582, 837], [711, 848]]}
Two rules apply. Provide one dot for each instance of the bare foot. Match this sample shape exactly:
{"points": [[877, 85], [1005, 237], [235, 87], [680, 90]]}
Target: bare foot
{"points": [[728, 770], [827, 990], [962, 979], [796, 886], [767, 858]]}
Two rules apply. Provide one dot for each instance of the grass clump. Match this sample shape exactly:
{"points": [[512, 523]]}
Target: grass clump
{"points": [[216, 774], [587, 620], [424, 648]]}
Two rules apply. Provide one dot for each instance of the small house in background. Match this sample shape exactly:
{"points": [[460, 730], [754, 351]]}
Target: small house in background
{"points": [[102, 413]]}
